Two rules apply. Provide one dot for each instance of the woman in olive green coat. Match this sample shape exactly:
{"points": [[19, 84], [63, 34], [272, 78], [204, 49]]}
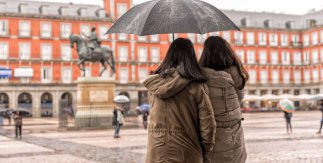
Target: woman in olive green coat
{"points": [[181, 125], [226, 78]]}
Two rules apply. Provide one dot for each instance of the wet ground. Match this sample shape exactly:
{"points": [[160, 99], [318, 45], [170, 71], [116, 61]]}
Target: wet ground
{"points": [[265, 134]]}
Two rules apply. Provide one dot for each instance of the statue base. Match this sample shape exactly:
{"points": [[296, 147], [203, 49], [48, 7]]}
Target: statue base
{"points": [[95, 102]]}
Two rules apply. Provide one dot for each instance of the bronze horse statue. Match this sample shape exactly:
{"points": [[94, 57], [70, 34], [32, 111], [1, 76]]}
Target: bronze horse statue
{"points": [[85, 53]]}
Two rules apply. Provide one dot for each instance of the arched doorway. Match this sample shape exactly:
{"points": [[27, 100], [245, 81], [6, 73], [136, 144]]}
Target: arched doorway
{"points": [[4, 100], [25, 101], [46, 105], [68, 97]]}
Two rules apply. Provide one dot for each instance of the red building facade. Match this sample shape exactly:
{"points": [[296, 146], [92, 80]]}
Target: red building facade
{"points": [[283, 53]]}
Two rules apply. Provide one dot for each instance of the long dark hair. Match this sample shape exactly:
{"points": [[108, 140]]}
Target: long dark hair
{"points": [[181, 55], [218, 55]]}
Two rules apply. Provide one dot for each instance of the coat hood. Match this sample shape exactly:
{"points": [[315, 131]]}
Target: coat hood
{"points": [[218, 78], [168, 86]]}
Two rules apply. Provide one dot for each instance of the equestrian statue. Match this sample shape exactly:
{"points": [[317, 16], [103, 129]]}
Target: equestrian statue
{"points": [[89, 49]]}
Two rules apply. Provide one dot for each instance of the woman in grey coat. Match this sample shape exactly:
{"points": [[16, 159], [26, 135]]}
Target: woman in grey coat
{"points": [[226, 78]]}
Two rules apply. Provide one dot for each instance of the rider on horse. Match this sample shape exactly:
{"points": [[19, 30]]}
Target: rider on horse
{"points": [[94, 41]]}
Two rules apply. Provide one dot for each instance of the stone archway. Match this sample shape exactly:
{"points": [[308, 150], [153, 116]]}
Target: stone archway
{"points": [[25, 101], [69, 97], [46, 105], [4, 100]]}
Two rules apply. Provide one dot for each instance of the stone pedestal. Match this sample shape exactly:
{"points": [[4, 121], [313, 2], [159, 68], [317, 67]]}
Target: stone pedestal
{"points": [[94, 102]]}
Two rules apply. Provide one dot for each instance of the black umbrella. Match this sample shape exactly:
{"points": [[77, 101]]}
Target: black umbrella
{"points": [[172, 16]]}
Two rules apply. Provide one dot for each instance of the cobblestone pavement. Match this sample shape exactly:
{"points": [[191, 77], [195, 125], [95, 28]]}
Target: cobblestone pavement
{"points": [[266, 140]]}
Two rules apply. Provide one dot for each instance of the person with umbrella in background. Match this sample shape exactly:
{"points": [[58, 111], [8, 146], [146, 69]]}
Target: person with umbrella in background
{"points": [[144, 110], [321, 125], [18, 124], [1, 119], [288, 107], [118, 120]]}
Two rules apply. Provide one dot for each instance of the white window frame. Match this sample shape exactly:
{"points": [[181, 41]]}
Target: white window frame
{"points": [[123, 53], [24, 32], [155, 54], [295, 40], [252, 76], [286, 76], [4, 28], [315, 56], [263, 76], [240, 54], [273, 39], [191, 36], [274, 76], [88, 71], [121, 9], [274, 57], [250, 38], [123, 75], [142, 54], [262, 57], [262, 38], [24, 52], [285, 57], [315, 75], [238, 37], [306, 39], [315, 38], [297, 77], [142, 74], [85, 30], [321, 36], [66, 30], [154, 38], [4, 50], [297, 58], [225, 35], [102, 30], [321, 55], [46, 33], [306, 57], [284, 40], [122, 36], [46, 51], [46, 78], [251, 58], [307, 76], [67, 77], [66, 52], [142, 38]]}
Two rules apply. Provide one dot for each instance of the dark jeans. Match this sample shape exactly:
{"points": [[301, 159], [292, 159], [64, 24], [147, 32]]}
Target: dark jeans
{"points": [[145, 124], [117, 129], [321, 125], [289, 125], [18, 129]]}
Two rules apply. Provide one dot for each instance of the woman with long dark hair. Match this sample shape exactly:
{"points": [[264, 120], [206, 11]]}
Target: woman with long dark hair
{"points": [[181, 125], [226, 78]]}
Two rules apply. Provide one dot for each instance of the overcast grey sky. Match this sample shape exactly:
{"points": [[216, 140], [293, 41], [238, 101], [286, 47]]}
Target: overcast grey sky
{"points": [[278, 6]]}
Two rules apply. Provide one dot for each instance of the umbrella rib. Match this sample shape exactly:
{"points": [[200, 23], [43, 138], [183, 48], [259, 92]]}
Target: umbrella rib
{"points": [[157, 1], [188, 6]]}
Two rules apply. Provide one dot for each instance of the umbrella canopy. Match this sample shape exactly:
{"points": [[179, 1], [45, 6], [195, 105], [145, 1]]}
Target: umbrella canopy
{"points": [[121, 99], [316, 97], [145, 107], [21, 111], [172, 16], [287, 105]]}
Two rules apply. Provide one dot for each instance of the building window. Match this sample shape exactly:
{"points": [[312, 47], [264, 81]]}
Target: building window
{"points": [[142, 74], [262, 57], [142, 38], [122, 37], [123, 53], [286, 77], [238, 38], [251, 57], [24, 29], [262, 38], [46, 51], [121, 9], [155, 54], [191, 36], [297, 77], [321, 33], [307, 76], [201, 38], [306, 57], [170, 37], [66, 75], [3, 27], [85, 30], [250, 38], [315, 38], [315, 75], [24, 51], [284, 39], [306, 40], [315, 56], [142, 52], [46, 30], [123, 75], [102, 30], [295, 40], [66, 52], [88, 71], [226, 35], [297, 57], [274, 58], [285, 58], [154, 38], [252, 76], [46, 74], [263, 76], [273, 39], [4, 50], [66, 30], [321, 55], [275, 76], [240, 54]]}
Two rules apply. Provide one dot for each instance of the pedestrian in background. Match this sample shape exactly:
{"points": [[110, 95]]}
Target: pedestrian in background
{"points": [[18, 124], [321, 125], [1, 120], [145, 119], [226, 78], [288, 118], [118, 120], [181, 122]]}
